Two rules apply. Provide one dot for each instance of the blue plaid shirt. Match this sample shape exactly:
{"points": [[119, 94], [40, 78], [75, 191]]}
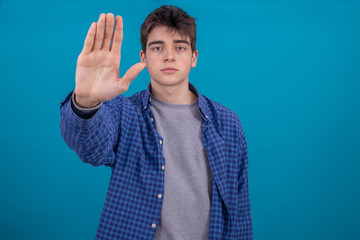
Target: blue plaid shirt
{"points": [[122, 135]]}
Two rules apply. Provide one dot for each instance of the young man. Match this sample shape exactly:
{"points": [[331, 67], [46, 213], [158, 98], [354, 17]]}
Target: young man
{"points": [[178, 159]]}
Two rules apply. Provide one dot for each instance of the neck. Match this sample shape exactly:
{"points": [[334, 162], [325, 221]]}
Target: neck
{"points": [[176, 94]]}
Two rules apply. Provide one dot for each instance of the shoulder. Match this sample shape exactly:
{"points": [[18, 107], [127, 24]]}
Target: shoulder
{"points": [[221, 114], [136, 98], [134, 101], [225, 121]]}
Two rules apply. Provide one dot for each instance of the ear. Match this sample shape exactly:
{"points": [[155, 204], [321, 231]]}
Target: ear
{"points": [[143, 57], [194, 58]]}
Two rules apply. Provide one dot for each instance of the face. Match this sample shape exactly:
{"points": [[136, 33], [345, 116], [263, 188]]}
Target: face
{"points": [[168, 56]]}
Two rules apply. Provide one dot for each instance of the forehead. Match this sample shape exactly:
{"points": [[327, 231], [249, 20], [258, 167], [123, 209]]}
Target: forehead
{"points": [[163, 33]]}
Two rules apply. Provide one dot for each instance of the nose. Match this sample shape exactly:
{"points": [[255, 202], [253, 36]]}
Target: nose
{"points": [[169, 55]]}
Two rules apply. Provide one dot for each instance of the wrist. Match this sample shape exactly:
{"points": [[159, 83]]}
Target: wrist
{"points": [[85, 102]]}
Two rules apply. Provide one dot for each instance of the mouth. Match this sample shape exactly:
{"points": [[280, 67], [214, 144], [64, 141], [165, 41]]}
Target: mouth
{"points": [[169, 70]]}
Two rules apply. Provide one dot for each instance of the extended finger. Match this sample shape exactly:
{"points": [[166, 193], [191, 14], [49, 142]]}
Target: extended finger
{"points": [[108, 32], [133, 72], [118, 35], [89, 40], [99, 31]]}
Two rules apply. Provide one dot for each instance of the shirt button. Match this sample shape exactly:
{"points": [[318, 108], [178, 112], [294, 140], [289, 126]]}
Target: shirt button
{"points": [[153, 225], [160, 141], [163, 167], [206, 116], [152, 119], [159, 196]]}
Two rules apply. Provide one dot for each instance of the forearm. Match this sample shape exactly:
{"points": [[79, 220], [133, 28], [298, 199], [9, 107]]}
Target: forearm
{"points": [[92, 139]]}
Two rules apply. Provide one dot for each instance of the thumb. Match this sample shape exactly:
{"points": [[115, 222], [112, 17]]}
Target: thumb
{"points": [[133, 72]]}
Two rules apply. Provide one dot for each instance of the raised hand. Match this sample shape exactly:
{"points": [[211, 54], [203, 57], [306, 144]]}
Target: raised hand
{"points": [[97, 71]]}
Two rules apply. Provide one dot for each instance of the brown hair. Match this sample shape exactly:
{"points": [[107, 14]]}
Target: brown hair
{"points": [[172, 17]]}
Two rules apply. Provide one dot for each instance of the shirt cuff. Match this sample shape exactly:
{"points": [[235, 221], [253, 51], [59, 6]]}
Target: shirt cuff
{"points": [[84, 113]]}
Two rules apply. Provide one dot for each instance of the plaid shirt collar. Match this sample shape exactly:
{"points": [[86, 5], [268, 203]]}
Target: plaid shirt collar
{"points": [[146, 101]]}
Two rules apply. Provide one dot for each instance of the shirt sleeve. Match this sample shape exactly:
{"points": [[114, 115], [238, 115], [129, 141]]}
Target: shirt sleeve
{"points": [[84, 113], [95, 138], [244, 209]]}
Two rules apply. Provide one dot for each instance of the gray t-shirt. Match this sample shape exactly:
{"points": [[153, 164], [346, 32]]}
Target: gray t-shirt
{"points": [[188, 179]]}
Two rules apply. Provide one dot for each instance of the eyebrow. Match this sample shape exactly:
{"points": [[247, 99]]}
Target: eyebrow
{"points": [[175, 41]]}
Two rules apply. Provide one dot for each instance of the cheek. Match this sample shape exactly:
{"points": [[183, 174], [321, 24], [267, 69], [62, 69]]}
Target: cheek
{"points": [[151, 60], [149, 63], [187, 63], [151, 68]]}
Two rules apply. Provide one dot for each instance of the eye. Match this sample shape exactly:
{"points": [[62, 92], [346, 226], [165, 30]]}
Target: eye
{"points": [[156, 49], [181, 48]]}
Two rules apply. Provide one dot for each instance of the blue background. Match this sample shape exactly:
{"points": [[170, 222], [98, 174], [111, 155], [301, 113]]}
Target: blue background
{"points": [[289, 69]]}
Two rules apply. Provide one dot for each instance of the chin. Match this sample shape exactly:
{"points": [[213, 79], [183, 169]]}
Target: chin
{"points": [[168, 81]]}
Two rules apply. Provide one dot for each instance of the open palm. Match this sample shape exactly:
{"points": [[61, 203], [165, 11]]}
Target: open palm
{"points": [[97, 70]]}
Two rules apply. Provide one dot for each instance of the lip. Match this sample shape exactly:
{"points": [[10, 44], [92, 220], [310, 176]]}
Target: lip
{"points": [[169, 70]]}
